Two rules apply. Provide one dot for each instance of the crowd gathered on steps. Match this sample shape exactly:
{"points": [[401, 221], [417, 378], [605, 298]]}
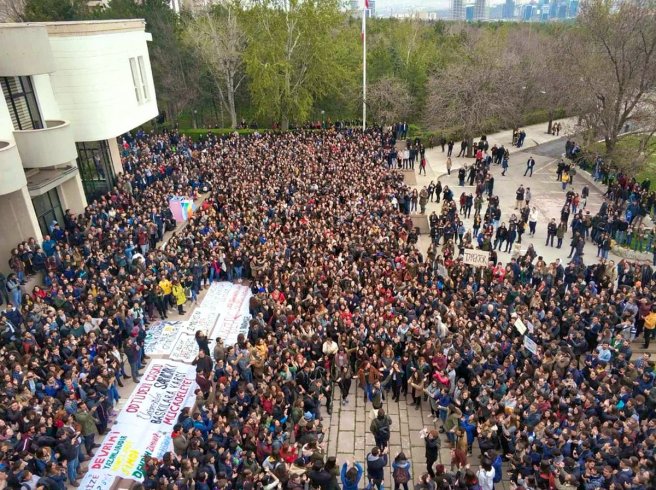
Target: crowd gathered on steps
{"points": [[344, 305]]}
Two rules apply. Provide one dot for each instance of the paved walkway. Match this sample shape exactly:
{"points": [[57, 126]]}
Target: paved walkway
{"points": [[548, 194], [349, 438]]}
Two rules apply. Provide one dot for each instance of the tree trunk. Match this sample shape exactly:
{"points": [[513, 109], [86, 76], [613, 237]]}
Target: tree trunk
{"points": [[610, 144], [470, 147], [233, 110], [550, 125], [284, 123]]}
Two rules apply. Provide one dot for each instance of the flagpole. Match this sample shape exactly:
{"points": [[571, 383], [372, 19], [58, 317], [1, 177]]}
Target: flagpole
{"points": [[364, 65]]}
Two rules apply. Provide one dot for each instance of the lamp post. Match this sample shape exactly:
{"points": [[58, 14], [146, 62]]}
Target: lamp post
{"points": [[323, 122]]}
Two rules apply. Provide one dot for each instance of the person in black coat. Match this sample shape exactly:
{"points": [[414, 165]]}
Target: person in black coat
{"points": [[432, 441]]}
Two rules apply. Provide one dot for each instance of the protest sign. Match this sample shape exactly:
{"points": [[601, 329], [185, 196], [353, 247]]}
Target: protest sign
{"points": [[181, 207], [185, 349], [165, 389], [94, 480], [124, 449], [217, 295], [233, 315], [203, 319], [519, 325], [162, 336], [476, 257], [530, 345]]}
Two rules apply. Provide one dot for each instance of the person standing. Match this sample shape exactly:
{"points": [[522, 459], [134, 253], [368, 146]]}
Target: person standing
{"points": [[519, 197], [14, 289], [649, 326], [89, 430], [179, 295], [401, 471], [532, 220], [449, 151], [448, 165], [423, 200], [380, 428], [504, 166], [351, 476], [432, 442], [485, 474], [376, 462], [344, 378], [529, 166], [551, 232], [134, 358], [560, 233]]}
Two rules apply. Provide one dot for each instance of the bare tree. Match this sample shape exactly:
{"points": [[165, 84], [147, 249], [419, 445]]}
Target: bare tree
{"points": [[612, 57], [220, 41], [12, 10], [545, 85], [470, 98], [389, 100]]}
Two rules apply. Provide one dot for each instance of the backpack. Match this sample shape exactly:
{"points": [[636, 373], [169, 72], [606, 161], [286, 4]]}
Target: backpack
{"points": [[401, 475], [383, 431]]}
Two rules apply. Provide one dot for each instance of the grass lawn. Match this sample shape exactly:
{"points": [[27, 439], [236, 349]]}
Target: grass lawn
{"points": [[630, 141]]}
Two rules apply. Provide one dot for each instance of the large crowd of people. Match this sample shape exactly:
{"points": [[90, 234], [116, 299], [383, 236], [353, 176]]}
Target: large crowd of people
{"points": [[316, 222]]}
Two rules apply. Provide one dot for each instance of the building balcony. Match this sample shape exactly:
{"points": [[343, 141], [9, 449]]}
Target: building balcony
{"points": [[25, 50], [11, 170], [47, 147]]}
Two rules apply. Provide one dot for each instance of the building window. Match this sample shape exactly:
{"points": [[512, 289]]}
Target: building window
{"points": [[48, 209], [94, 163], [140, 79], [21, 101]]}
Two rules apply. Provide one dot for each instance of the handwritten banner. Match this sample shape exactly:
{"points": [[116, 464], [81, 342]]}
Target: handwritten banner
{"points": [[231, 322], [124, 449], [185, 349], [162, 336], [476, 257], [203, 319], [165, 389], [97, 481]]}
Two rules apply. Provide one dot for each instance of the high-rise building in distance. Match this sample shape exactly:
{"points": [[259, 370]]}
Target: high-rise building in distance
{"points": [[509, 9], [457, 9], [480, 10]]}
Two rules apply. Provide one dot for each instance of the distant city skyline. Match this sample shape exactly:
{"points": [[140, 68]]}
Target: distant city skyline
{"points": [[387, 7]]}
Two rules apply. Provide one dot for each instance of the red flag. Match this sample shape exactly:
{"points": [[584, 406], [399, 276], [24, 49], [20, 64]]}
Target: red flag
{"points": [[366, 4]]}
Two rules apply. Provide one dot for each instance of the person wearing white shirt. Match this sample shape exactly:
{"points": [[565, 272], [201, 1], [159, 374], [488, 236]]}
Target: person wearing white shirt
{"points": [[486, 474]]}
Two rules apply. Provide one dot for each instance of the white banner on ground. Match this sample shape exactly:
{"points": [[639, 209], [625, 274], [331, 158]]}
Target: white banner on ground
{"points": [[476, 257], [203, 319], [165, 389], [162, 336], [233, 315], [185, 349], [217, 295], [94, 480], [223, 313], [124, 449]]}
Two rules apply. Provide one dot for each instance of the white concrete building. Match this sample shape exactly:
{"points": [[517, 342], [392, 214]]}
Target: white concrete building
{"points": [[68, 90]]}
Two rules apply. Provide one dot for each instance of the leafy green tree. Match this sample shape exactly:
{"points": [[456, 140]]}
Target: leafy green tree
{"points": [[53, 10], [291, 58]]}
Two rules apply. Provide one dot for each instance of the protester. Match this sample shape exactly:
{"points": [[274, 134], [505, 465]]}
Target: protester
{"points": [[318, 224]]}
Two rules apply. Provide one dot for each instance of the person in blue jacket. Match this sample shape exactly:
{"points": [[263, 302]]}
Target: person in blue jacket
{"points": [[351, 476], [376, 462]]}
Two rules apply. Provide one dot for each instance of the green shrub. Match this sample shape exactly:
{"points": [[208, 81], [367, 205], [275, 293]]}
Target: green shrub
{"points": [[198, 133]]}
